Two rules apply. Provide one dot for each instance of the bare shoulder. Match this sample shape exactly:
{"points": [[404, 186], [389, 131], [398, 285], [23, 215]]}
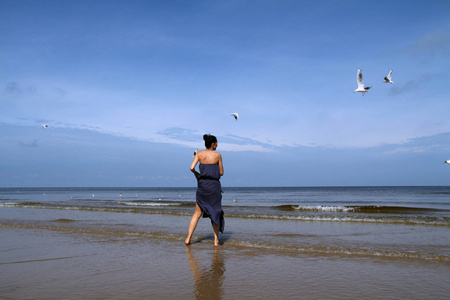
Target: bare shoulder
{"points": [[202, 156], [201, 153], [218, 158]]}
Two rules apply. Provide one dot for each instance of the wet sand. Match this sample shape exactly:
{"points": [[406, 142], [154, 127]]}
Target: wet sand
{"points": [[51, 264]]}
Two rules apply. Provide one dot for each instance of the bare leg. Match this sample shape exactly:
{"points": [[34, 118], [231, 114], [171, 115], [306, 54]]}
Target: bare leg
{"points": [[216, 228], [193, 223]]}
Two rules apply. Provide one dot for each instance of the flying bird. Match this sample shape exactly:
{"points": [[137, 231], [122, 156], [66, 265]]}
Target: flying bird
{"points": [[359, 80], [388, 78], [44, 125], [447, 162], [235, 115], [195, 152]]}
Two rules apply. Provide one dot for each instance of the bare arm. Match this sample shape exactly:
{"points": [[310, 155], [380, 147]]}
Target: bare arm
{"points": [[220, 165], [194, 163]]}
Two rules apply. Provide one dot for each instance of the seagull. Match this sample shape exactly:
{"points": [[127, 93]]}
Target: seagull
{"points": [[359, 80], [388, 78], [195, 152], [235, 115], [447, 162], [44, 125]]}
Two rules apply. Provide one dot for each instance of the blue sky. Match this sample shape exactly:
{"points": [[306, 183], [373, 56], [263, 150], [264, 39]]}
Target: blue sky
{"points": [[128, 88]]}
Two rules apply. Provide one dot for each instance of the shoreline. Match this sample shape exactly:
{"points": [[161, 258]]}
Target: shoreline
{"points": [[50, 264]]}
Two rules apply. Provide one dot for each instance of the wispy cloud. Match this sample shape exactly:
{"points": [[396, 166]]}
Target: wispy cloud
{"points": [[32, 144], [180, 134], [409, 149], [427, 144], [192, 138], [433, 43], [15, 89], [411, 85]]}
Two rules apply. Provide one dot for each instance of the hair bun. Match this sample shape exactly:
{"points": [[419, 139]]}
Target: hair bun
{"points": [[209, 140]]}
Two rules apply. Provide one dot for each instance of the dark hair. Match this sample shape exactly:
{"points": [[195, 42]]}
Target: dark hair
{"points": [[209, 140]]}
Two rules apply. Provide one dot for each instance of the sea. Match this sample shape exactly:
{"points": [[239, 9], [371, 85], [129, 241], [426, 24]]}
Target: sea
{"points": [[388, 222]]}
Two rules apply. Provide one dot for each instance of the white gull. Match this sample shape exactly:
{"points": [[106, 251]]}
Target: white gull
{"points": [[359, 80], [388, 78]]}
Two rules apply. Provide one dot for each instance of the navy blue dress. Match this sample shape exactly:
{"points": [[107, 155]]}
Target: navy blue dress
{"points": [[209, 194]]}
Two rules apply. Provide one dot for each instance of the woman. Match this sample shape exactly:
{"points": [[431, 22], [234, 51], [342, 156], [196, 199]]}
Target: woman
{"points": [[209, 191]]}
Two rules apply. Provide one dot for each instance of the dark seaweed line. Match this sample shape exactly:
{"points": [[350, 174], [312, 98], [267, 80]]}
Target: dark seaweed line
{"points": [[255, 245]]}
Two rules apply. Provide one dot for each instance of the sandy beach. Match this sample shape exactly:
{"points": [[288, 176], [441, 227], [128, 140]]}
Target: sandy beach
{"points": [[56, 263]]}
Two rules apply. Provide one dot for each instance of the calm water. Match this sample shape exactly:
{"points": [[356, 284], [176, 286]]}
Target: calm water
{"points": [[360, 222]]}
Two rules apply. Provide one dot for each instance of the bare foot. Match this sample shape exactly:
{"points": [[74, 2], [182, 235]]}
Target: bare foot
{"points": [[216, 243], [187, 242]]}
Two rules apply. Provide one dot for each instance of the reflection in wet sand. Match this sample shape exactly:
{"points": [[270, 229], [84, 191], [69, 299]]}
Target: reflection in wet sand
{"points": [[208, 278]]}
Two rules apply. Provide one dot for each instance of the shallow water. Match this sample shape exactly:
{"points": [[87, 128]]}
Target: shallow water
{"points": [[391, 222], [53, 264], [310, 243]]}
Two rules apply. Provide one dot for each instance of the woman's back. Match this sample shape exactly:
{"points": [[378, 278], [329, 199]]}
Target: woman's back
{"points": [[208, 157]]}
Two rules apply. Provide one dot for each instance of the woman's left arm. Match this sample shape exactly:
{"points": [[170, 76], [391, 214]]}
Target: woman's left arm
{"points": [[220, 165], [192, 168]]}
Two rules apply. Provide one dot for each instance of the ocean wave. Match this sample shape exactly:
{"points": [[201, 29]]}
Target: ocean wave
{"points": [[358, 252], [151, 204], [315, 208], [392, 209], [370, 209], [24, 204]]}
